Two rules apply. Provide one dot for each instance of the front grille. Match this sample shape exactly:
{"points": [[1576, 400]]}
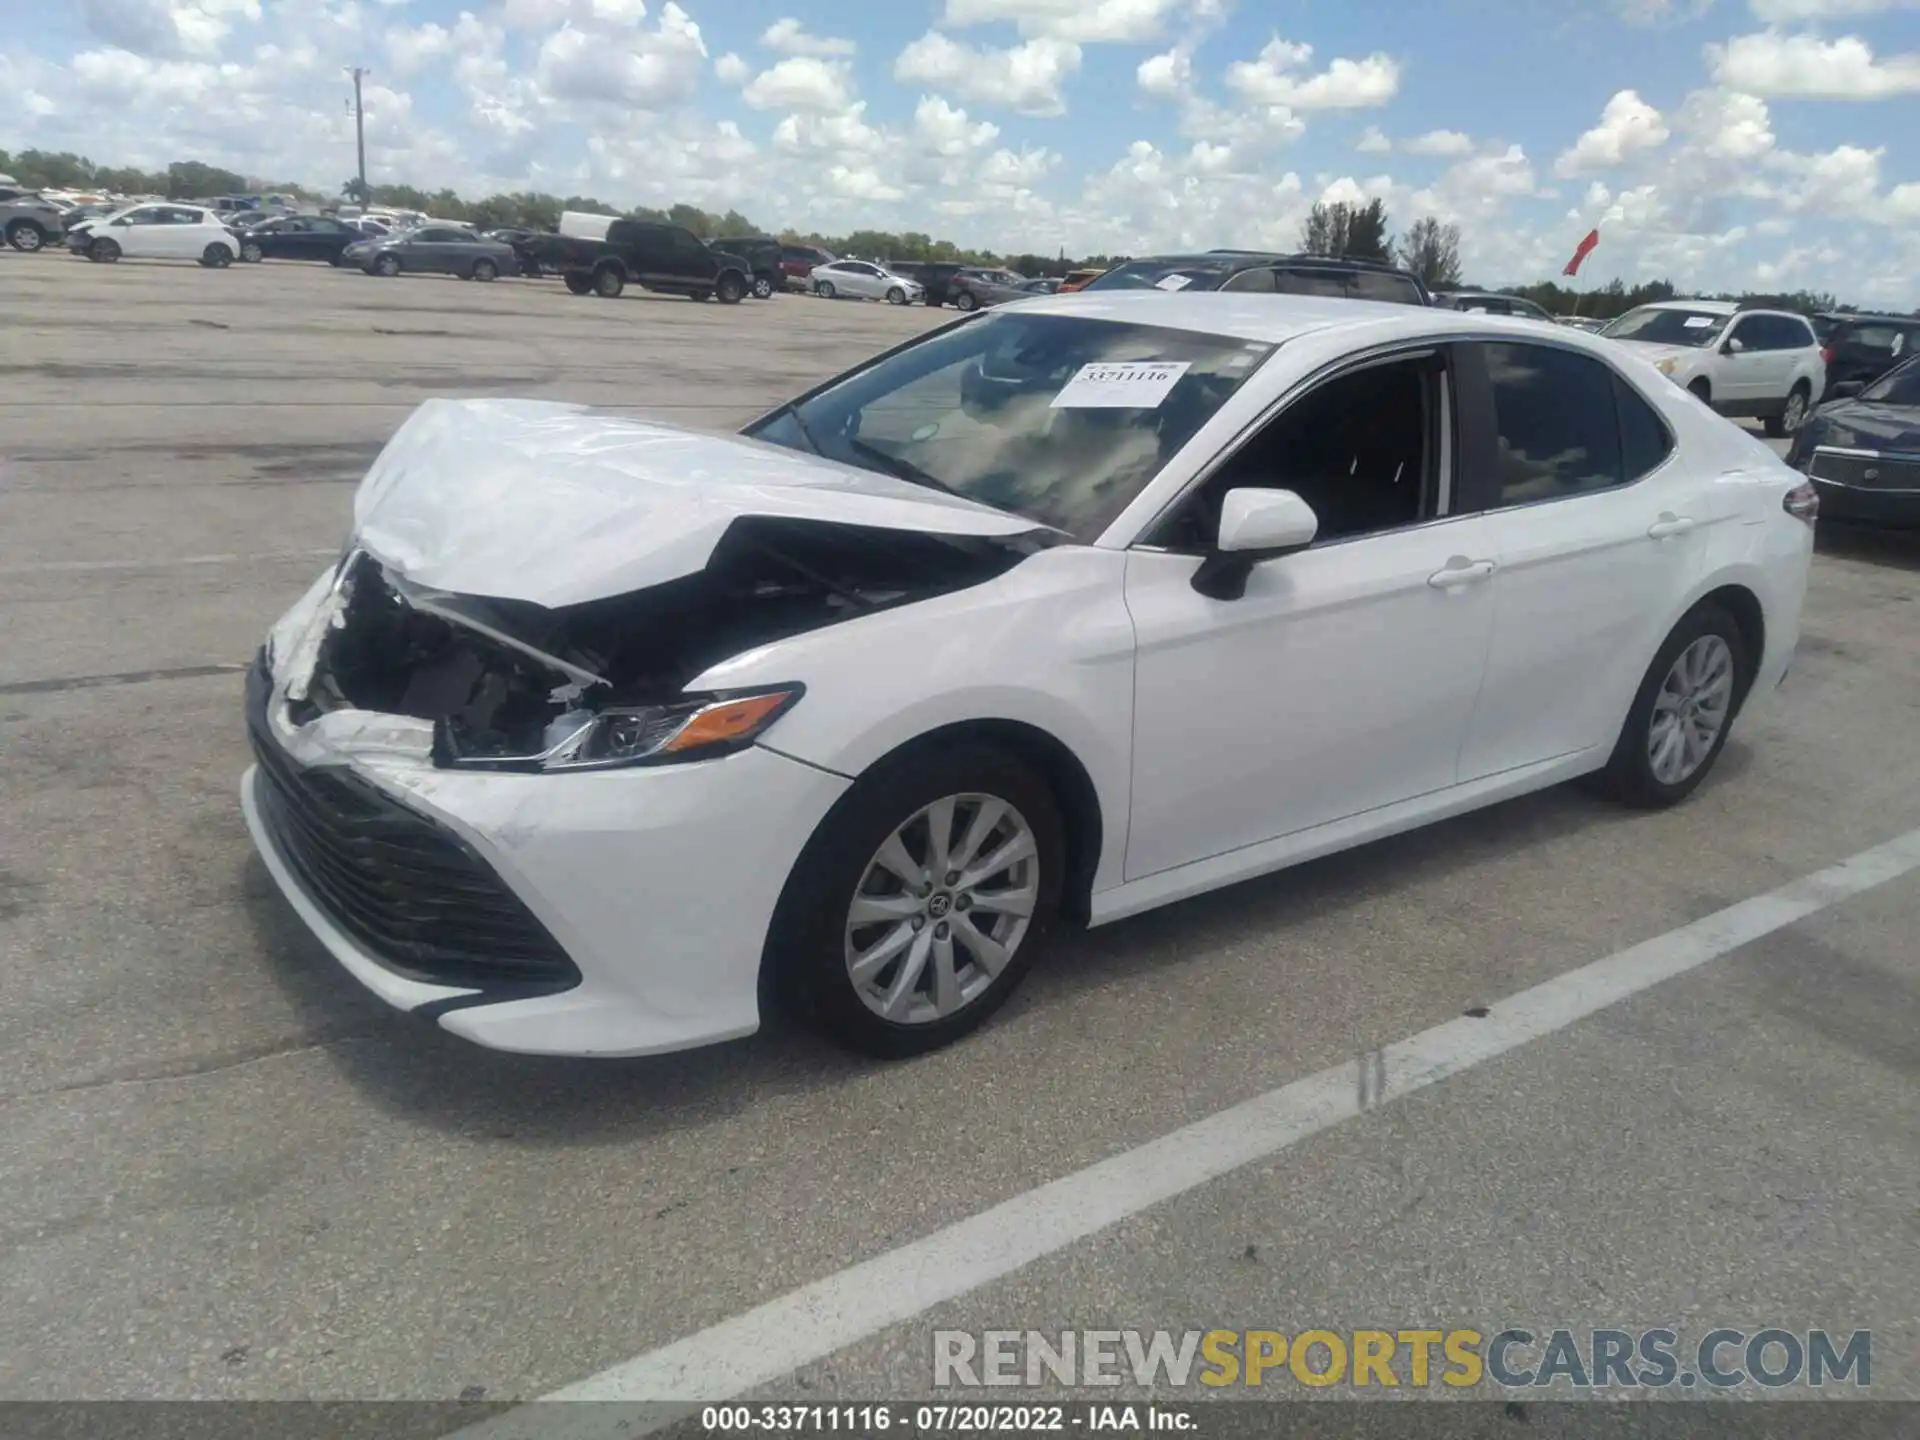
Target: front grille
{"points": [[414, 894], [1866, 472]]}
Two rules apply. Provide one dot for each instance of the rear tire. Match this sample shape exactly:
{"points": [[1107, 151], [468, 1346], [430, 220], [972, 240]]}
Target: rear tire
{"points": [[251, 252], [699, 297], [216, 256], [730, 290], [896, 296], [814, 938], [762, 288], [484, 270], [387, 265], [1791, 418], [824, 289], [965, 301], [26, 236], [576, 283], [1709, 635], [608, 283]]}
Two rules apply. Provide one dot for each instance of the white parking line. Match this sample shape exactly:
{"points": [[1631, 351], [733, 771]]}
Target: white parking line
{"points": [[171, 562], [730, 1359]]}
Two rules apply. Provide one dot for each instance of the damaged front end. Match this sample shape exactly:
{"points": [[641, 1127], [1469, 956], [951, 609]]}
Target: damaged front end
{"points": [[509, 685]]}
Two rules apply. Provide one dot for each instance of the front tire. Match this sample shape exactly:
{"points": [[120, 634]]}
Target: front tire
{"points": [[1682, 713], [762, 288], [896, 296], [824, 289], [485, 270], [608, 283], [387, 265], [922, 900], [251, 252], [104, 251], [25, 236], [730, 290]]}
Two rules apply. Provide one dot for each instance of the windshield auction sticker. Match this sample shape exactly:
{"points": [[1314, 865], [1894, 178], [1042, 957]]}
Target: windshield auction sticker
{"points": [[1125, 385]]}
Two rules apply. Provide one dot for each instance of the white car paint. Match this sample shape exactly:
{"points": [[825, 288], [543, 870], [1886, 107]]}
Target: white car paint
{"points": [[863, 280], [1747, 368], [1357, 689], [165, 231]]}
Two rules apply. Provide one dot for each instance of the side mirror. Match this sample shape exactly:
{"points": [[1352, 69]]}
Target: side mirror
{"points": [[1733, 347], [1845, 389], [1255, 525]]}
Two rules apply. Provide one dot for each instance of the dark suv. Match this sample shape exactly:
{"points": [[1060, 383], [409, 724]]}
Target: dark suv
{"points": [[762, 254], [669, 259], [1861, 348], [1265, 272]]}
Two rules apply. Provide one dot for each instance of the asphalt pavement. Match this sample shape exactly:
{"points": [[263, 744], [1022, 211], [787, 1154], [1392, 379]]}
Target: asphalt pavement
{"points": [[227, 1172]]}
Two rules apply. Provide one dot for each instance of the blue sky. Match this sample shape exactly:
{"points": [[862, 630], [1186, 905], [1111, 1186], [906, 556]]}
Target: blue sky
{"points": [[1723, 143]]}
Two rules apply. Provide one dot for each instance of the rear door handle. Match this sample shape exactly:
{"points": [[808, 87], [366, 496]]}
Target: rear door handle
{"points": [[1670, 525], [1460, 571]]}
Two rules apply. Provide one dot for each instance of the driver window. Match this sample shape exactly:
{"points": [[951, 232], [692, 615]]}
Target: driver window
{"points": [[1750, 333], [1361, 449]]}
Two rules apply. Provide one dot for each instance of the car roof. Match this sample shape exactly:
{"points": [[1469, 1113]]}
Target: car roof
{"points": [[1274, 319], [1871, 318], [1705, 307]]}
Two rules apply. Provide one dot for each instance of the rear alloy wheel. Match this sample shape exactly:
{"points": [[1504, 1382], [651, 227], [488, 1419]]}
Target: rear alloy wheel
{"points": [[965, 301], [1682, 713], [576, 283], [387, 265], [762, 288], [730, 290], [1792, 417], [824, 289], [484, 270], [25, 235], [896, 296], [608, 283], [104, 251], [216, 256], [922, 900], [251, 252]]}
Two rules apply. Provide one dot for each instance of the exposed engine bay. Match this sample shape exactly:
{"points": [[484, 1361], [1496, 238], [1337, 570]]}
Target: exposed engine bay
{"points": [[507, 683]]}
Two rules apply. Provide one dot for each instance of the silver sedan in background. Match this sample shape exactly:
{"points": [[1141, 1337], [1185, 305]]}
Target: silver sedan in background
{"points": [[864, 280]]}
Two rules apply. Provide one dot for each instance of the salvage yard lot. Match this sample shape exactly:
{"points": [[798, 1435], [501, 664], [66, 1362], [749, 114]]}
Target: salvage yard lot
{"points": [[226, 1171]]}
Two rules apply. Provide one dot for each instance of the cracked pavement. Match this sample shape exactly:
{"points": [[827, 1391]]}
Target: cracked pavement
{"points": [[225, 1171]]}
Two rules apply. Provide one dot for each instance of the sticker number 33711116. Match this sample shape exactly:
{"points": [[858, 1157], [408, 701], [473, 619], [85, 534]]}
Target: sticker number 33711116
{"points": [[1128, 384]]}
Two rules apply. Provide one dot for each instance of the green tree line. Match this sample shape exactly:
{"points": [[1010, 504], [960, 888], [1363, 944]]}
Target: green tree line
{"points": [[1429, 248]]}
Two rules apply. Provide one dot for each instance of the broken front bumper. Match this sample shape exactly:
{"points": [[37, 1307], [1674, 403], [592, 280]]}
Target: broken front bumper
{"points": [[620, 912]]}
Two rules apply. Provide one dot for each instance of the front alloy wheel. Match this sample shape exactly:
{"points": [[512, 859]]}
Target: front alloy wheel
{"points": [[921, 900], [942, 909], [251, 252], [1690, 710]]}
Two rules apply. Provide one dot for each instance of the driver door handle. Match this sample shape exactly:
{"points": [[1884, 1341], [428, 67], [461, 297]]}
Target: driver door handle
{"points": [[1460, 571], [1670, 525]]}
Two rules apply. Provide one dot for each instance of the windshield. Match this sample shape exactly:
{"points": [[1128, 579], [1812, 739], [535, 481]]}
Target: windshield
{"points": [[1192, 273], [1062, 419], [1899, 386], [1668, 327]]}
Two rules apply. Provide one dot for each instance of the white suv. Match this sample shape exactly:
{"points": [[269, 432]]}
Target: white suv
{"points": [[1765, 363]]}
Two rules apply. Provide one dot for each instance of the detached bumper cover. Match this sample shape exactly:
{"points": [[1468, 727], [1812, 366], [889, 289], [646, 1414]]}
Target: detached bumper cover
{"points": [[623, 912]]}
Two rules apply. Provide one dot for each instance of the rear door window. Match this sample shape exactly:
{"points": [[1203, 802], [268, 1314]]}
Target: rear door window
{"points": [[1557, 424]]}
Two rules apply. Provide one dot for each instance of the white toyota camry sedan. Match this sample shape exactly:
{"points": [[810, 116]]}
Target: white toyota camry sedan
{"points": [[603, 737]]}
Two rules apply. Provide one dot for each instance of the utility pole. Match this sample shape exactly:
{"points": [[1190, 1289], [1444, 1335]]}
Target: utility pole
{"points": [[360, 131]]}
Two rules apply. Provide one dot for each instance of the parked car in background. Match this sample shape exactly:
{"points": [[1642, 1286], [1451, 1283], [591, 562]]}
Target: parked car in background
{"points": [[1262, 272], [28, 220], [797, 262], [865, 280], [976, 288], [1861, 348], [519, 239], [438, 250], [1862, 450], [1043, 285], [669, 259], [1079, 280], [762, 254], [164, 231], [1761, 363], [1488, 303], [1587, 323], [295, 237], [936, 279], [1826, 320]]}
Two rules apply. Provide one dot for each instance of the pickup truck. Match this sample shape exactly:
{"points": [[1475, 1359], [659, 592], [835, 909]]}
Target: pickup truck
{"points": [[654, 256]]}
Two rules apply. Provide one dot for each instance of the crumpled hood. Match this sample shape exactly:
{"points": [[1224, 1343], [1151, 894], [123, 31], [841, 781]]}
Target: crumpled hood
{"points": [[557, 504]]}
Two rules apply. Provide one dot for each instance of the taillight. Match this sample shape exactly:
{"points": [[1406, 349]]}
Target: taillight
{"points": [[1826, 355], [1802, 502]]}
